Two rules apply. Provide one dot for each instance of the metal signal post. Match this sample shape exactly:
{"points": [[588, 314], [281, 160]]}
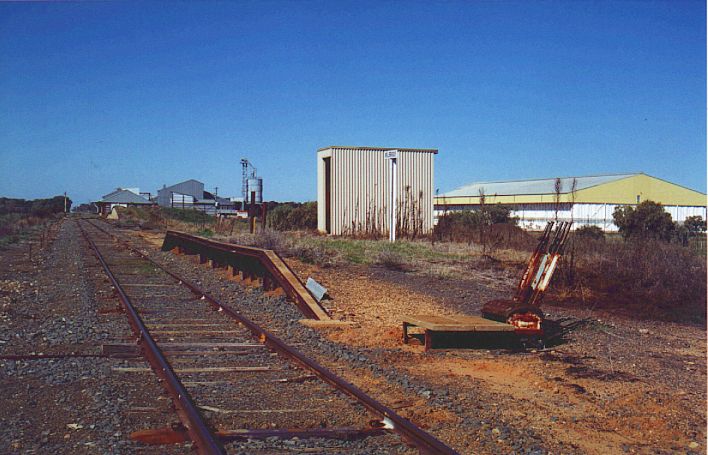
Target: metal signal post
{"points": [[392, 156]]}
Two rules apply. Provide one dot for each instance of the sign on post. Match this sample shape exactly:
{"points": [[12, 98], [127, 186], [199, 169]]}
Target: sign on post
{"points": [[392, 156]]}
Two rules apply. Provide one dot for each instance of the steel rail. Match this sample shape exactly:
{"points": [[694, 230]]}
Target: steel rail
{"points": [[197, 428], [424, 441]]}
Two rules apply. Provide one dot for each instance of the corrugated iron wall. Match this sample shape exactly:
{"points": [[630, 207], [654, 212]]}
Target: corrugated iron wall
{"points": [[360, 185], [191, 187]]}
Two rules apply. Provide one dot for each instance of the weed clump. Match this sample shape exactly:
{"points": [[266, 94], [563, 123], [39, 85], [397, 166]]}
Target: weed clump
{"points": [[392, 260], [314, 253]]}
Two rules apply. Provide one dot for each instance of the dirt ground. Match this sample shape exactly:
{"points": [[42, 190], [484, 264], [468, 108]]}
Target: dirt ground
{"points": [[610, 385]]}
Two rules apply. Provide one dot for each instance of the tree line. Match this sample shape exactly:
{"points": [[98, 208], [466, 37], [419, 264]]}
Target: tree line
{"points": [[36, 207]]}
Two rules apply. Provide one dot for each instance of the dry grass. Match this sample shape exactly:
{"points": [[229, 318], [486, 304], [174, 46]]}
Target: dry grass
{"points": [[15, 226], [648, 278]]}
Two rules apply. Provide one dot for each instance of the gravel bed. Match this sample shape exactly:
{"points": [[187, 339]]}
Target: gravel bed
{"points": [[70, 405]]}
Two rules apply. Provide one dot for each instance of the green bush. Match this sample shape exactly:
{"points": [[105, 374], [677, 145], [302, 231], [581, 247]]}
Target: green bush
{"points": [[474, 225], [695, 224], [499, 214], [293, 217], [278, 217], [646, 220]]}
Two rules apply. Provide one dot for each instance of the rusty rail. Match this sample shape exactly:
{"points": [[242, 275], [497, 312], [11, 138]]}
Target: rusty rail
{"points": [[197, 428], [425, 442], [258, 263]]}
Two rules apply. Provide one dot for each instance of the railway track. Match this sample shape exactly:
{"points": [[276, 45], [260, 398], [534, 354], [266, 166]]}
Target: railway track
{"points": [[230, 380]]}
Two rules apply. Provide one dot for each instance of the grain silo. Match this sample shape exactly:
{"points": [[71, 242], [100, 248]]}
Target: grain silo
{"points": [[354, 189]]}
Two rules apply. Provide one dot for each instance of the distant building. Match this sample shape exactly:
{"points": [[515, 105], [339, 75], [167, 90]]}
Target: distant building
{"points": [[190, 195], [587, 201], [353, 188], [121, 197]]}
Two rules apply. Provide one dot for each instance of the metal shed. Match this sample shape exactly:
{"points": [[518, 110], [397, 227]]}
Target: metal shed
{"points": [[587, 201], [191, 187], [353, 184]]}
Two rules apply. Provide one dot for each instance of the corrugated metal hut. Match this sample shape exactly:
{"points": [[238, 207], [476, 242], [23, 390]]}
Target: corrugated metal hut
{"points": [[584, 200], [353, 185]]}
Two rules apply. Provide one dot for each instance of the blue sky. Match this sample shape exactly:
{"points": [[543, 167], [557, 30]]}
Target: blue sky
{"points": [[105, 94]]}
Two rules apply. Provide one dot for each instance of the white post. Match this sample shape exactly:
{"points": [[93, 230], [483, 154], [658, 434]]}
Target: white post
{"points": [[392, 156]]}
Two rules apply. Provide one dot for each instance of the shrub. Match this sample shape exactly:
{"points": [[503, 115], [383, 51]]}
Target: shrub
{"points": [[46, 207], [14, 226], [186, 215], [304, 216], [695, 224], [314, 253], [457, 226], [644, 277], [18, 216], [590, 232], [37, 207], [392, 260], [293, 217], [499, 214], [270, 240], [647, 220], [475, 227], [278, 217], [85, 208]]}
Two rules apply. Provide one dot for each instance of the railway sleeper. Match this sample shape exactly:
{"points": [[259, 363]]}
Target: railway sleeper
{"points": [[177, 434]]}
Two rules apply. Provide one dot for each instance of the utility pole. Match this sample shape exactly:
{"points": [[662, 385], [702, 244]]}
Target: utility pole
{"points": [[64, 201]]}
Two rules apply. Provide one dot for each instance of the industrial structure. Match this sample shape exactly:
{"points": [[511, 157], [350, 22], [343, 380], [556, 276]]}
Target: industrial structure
{"points": [[354, 186], [251, 184], [190, 194], [121, 197], [587, 201]]}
